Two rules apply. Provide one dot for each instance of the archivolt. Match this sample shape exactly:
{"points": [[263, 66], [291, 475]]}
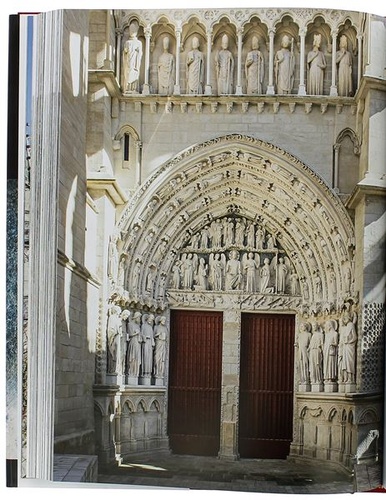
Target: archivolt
{"points": [[259, 181]]}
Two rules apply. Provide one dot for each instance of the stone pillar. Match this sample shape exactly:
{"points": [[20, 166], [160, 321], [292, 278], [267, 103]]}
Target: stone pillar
{"points": [[118, 34], [138, 170], [208, 87], [146, 86], [333, 88], [239, 89], [117, 427], [302, 85], [177, 86], [360, 50], [230, 385], [335, 180], [271, 87], [108, 62]]}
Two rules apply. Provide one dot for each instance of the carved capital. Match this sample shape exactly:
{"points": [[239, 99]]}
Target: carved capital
{"points": [[240, 31], [147, 32], [271, 32], [303, 32]]}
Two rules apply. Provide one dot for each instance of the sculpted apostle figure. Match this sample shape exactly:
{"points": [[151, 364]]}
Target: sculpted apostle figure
{"points": [[330, 351], [134, 346], [316, 354], [114, 333], [165, 69], [224, 66], [284, 67], [147, 338], [254, 69], [303, 343], [195, 69], [132, 57], [344, 62], [316, 65], [347, 349], [160, 335]]}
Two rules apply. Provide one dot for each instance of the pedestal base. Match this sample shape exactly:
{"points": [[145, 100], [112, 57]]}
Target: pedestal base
{"points": [[146, 89], [208, 90], [270, 90], [159, 381], [304, 387], [302, 90], [145, 380], [317, 388], [177, 90], [330, 387], [333, 90], [239, 90], [131, 380]]}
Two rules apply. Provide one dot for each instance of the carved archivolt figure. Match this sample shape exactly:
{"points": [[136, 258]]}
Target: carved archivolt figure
{"points": [[134, 347], [165, 69], [330, 351], [176, 277], [136, 276], [233, 271], [114, 333], [113, 265], [344, 62], [147, 338], [316, 66], [254, 69], [224, 66], [132, 57], [316, 354], [347, 349], [284, 67], [303, 343], [160, 336], [195, 69]]}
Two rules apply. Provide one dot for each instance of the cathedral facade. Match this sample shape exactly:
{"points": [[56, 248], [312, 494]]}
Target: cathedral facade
{"points": [[216, 266]]}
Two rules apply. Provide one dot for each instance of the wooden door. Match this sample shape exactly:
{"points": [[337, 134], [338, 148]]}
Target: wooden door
{"points": [[266, 385], [194, 405]]}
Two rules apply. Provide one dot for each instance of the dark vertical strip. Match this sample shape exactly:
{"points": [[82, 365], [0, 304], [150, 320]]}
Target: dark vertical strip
{"points": [[12, 479], [13, 97]]}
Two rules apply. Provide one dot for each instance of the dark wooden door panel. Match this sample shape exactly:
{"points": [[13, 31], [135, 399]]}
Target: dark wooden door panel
{"points": [[266, 385], [194, 408]]}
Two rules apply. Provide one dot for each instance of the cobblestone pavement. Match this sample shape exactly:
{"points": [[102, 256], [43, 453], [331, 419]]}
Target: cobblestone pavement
{"points": [[210, 473]]}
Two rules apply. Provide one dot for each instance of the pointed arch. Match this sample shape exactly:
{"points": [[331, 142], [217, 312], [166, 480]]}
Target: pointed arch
{"points": [[255, 178]]}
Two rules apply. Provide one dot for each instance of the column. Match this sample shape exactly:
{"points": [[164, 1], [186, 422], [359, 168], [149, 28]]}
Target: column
{"points": [[118, 34], [177, 87], [359, 38], [333, 88], [208, 87], [302, 86], [271, 88], [138, 148], [146, 86], [230, 385], [335, 181], [108, 63], [239, 89]]}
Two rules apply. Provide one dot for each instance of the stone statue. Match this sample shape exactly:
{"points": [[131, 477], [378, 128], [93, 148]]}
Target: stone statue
{"points": [[188, 270], [316, 65], [344, 61], [136, 276], [233, 271], [125, 339], [205, 238], [294, 282], [347, 348], [165, 69], [132, 56], [147, 338], [160, 336], [265, 275], [251, 267], [134, 348], [216, 232], [282, 271], [318, 286], [271, 242], [285, 67], [202, 274], [303, 343], [224, 67], [260, 237], [121, 271], [150, 279], [217, 267], [316, 354], [251, 235], [347, 276], [254, 69], [113, 264], [176, 280], [195, 69], [239, 232], [114, 333], [330, 351]]}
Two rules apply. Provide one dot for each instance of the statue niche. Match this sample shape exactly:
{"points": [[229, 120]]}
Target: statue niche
{"points": [[234, 253]]}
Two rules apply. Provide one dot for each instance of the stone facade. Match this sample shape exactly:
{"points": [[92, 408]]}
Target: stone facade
{"points": [[189, 187]]}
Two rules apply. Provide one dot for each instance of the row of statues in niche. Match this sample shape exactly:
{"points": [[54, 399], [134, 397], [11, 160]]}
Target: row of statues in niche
{"points": [[284, 67], [136, 345], [217, 271], [233, 232], [327, 357]]}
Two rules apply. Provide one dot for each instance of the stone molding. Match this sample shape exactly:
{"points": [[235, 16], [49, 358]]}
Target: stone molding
{"points": [[97, 186], [237, 174]]}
